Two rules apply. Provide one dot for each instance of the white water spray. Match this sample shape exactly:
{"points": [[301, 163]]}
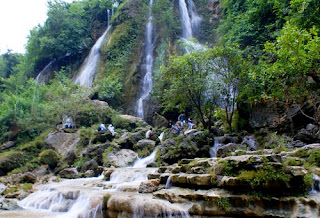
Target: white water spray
{"points": [[143, 162], [148, 64]]}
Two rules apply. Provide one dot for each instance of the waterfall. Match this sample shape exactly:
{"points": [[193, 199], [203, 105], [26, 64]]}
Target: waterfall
{"points": [[185, 20], [41, 78], [189, 18], [89, 67], [143, 162], [195, 18], [69, 198], [315, 184], [214, 148], [147, 65]]}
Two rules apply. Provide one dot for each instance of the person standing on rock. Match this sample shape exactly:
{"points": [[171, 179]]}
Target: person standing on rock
{"points": [[182, 119], [190, 124]]}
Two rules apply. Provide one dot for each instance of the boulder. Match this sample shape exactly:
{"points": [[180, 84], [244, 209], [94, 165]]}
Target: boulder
{"points": [[9, 161], [310, 134], [191, 145], [91, 165], [69, 173], [2, 188], [62, 142], [28, 178], [102, 137], [70, 157], [7, 145], [121, 158], [95, 151], [124, 141], [9, 204], [149, 186], [225, 149], [89, 173], [135, 137], [107, 173], [145, 143], [159, 121]]}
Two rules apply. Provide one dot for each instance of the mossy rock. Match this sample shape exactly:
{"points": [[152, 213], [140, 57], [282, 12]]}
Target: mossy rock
{"points": [[49, 157], [10, 160]]}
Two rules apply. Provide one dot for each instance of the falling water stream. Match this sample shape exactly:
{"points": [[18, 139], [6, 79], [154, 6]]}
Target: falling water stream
{"points": [[190, 22], [89, 67], [148, 64]]}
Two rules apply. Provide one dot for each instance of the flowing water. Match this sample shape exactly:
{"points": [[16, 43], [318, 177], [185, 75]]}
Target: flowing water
{"points": [[147, 64], [88, 69], [42, 77], [84, 197], [190, 22], [215, 147]]}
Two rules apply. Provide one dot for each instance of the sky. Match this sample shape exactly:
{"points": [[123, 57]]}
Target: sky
{"points": [[17, 18]]}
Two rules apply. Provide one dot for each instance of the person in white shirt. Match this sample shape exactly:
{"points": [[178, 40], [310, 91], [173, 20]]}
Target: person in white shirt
{"points": [[111, 129], [149, 133], [102, 127]]}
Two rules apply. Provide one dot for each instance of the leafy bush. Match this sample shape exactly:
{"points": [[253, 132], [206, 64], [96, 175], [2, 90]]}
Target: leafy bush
{"points": [[86, 136], [265, 177], [314, 157], [49, 157]]}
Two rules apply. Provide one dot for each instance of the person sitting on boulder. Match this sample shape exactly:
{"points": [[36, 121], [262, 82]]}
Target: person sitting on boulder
{"points": [[69, 123], [149, 133], [111, 129], [102, 127]]}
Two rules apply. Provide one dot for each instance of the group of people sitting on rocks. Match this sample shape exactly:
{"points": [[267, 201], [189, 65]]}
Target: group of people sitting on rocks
{"points": [[180, 124], [102, 127]]}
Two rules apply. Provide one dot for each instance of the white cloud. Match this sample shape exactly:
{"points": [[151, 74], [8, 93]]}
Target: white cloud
{"points": [[17, 18]]}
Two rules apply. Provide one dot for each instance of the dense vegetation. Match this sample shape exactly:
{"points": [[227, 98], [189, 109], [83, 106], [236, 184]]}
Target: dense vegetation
{"points": [[265, 52], [277, 42]]}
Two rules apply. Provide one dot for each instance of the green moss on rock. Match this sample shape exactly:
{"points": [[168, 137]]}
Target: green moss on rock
{"points": [[49, 157]]}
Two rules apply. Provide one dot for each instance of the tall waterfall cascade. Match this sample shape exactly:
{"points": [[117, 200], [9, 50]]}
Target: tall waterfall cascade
{"points": [[147, 64], [89, 67], [190, 20]]}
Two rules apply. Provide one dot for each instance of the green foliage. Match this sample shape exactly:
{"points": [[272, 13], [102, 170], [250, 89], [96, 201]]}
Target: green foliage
{"points": [[223, 203], [293, 162], [49, 157], [79, 163], [166, 19], [8, 63], [227, 168], [303, 153], [109, 90], [119, 122], [314, 157], [265, 176], [249, 23], [86, 135], [105, 155]]}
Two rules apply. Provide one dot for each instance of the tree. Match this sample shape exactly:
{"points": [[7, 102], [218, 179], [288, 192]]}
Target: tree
{"points": [[204, 80], [293, 69]]}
